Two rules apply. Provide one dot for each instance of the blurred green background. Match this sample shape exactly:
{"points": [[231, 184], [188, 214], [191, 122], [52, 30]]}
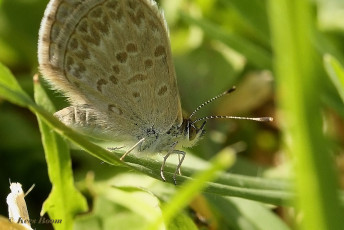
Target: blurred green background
{"points": [[215, 44]]}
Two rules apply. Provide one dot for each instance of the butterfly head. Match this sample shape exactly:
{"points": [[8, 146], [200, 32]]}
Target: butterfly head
{"points": [[192, 132]]}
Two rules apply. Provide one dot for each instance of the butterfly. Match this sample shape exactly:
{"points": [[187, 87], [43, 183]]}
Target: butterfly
{"points": [[112, 60]]}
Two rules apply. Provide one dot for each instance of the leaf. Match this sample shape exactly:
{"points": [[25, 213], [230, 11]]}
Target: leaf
{"points": [[64, 201], [182, 222], [264, 190], [190, 189], [336, 73], [237, 213], [11, 90], [299, 80], [271, 191], [253, 12], [258, 56]]}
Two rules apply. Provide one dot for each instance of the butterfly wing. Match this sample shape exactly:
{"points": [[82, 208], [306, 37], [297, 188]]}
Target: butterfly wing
{"points": [[114, 56]]}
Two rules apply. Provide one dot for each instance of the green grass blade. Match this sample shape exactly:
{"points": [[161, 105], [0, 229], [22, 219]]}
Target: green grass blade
{"points": [[64, 201], [264, 190], [336, 73], [298, 81], [271, 191], [244, 214], [253, 13], [190, 189], [255, 54], [11, 90], [76, 138]]}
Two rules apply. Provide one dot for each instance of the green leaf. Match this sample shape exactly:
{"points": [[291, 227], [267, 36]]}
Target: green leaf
{"points": [[336, 73], [258, 56], [124, 208], [64, 201], [271, 191], [137, 201], [299, 81], [190, 189], [11, 90], [264, 190], [182, 222], [237, 213], [253, 12]]}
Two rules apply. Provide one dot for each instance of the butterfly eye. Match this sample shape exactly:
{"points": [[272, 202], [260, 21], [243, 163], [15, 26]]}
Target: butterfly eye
{"points": [[192, 132]]}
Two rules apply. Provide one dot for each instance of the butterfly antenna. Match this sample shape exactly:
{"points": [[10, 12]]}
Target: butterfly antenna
{"points": [[260, 119], [211, 100]]}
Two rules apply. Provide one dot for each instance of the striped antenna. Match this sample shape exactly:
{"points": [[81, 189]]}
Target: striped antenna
{"points": [[211, 100], [261, 119]]}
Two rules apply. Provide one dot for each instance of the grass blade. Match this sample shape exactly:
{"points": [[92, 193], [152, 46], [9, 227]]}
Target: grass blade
{"points": [[298, 80]]}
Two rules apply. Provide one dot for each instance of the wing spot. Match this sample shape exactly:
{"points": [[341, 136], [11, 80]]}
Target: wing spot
{"points": [[137, 78], [162, 90], [148, 64], [115, 68], [84, 53], [59, 45], [111, 4], [113, 79], [152, 25], [132, 5], [73, 43], [103, 25], [100, 84], [79, 69], [160, 51], [137, 18], [131, 48], [122, 57], [93, 37], [83, 27], [136, 94], [115, 109]]}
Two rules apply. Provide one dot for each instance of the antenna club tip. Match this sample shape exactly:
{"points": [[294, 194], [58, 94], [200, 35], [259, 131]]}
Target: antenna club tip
{"points": [[230, 90], [268, 119]]}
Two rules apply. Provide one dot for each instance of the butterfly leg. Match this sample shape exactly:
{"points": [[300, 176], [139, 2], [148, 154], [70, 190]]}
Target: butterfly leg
{"points": [[164, 162], [179, 172], [163, 165], [131, 149], [179, 165]]}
